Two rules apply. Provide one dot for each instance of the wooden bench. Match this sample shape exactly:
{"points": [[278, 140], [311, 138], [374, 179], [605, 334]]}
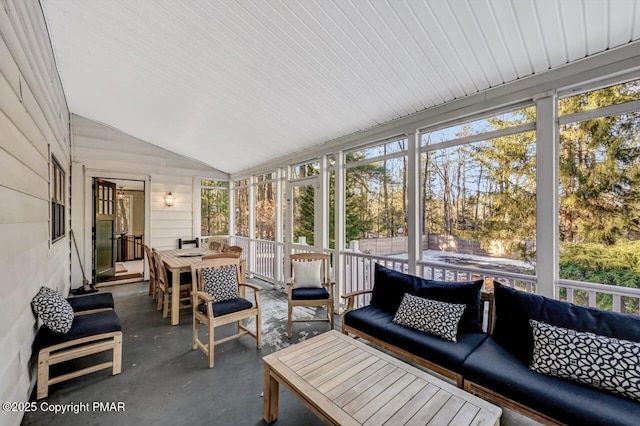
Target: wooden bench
{"points": [[90, 334]]}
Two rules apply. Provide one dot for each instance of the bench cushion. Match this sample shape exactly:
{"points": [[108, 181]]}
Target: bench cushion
{"points": [[83, 326], [379, 324], [494, 367], [514, 309], [91, 301]]}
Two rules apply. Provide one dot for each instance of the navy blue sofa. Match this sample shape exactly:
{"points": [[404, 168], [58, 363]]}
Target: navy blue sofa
{"points": [[375, 321], [498, 369]]}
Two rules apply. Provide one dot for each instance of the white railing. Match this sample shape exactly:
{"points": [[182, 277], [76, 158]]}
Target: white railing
{"points": [[623, 299], [359, 267]]}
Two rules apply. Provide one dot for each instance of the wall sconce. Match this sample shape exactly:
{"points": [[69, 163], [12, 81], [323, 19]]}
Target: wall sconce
{"points": [[120, 194], [169, 199]]}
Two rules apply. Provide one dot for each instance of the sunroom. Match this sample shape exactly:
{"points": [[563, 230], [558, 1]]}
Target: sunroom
{"points": [[449, 140]]}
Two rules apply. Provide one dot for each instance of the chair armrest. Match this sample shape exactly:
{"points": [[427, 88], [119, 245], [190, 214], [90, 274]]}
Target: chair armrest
{"points": [[351, 298], [201, 295], [356, 293], [253, 286]]}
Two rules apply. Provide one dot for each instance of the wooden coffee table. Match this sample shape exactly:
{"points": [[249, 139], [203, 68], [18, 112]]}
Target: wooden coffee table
{"points": [[346, 382]]}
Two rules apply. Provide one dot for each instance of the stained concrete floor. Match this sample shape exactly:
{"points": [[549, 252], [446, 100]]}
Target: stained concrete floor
{"points": [[164, 382]]}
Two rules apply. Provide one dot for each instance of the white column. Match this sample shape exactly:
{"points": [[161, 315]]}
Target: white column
{"points": [[321, 203], [278, 278], [547, 153], [252, 222], [339, 227], [414, 232]]}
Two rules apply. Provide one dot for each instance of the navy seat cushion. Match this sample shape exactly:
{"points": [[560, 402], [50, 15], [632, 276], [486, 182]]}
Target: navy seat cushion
{"points": [[309, 293], [390, 286], [514, 308], [379, 324], [83, 326], [91, 301], [227, 306], [495, 368]]}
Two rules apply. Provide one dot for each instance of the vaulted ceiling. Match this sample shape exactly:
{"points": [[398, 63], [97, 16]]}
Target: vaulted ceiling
{"points": [[236, 83]]}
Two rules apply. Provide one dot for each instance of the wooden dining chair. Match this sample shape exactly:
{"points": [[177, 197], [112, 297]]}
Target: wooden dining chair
{"points": [[152, 271], [310, 285], [234, 249], [165, 288], [219, 298], [195, 242], [215, 246]]}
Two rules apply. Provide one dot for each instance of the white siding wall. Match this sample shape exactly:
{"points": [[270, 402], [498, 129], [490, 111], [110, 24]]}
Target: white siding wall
{"points": [[34, 121], [99, 150]]}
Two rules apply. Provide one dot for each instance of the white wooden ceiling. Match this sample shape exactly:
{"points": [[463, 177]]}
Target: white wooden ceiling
{"points": [[235, 83]]}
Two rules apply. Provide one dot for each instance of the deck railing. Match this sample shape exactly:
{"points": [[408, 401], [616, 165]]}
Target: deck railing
{"points": [[359, 267]]}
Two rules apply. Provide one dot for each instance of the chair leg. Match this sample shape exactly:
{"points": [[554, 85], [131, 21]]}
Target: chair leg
{"points": [[289, 321], [160, 296], [330, 315], [165, 302], [194, 344], [117, 354], [43, 375], [259, 331], [210, 347]]}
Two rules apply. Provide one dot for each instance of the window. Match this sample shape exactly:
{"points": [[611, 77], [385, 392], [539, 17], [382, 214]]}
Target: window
{"points": [[57, 200], [376, 197], [265, 194], [214, 208], [478, 183], [599, 197], [241, 194]]}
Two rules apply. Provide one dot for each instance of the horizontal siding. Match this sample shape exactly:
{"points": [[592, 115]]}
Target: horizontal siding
{"points": [[103, 149], [34, 120]]}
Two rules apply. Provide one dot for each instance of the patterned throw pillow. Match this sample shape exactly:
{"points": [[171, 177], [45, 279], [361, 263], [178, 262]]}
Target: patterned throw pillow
{"points": [[221, 283], [53, 309], [431, 316], [599, 361]]}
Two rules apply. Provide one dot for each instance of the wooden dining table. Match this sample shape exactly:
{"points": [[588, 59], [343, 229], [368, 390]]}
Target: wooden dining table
{"points": [[179, 261]]}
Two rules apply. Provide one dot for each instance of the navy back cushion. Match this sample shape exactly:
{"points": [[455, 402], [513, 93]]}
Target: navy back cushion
{"points": [[463, 293], [390, 286], [514, 308]]}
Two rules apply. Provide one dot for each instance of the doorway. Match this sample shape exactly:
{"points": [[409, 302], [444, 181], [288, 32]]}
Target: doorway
{"points": [[118, 230]]}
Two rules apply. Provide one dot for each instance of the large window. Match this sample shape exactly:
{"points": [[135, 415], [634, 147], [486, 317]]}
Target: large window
{"points": [[265, 216], [57, 200], [214, 207], [478, 183], [599, 191], [241, 195], [376, 197]]}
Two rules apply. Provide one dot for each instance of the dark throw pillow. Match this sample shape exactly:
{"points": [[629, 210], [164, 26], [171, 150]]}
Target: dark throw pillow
{"points": [[221, 283]]}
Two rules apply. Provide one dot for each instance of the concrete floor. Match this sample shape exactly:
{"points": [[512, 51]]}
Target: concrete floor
{"points": [[164, 382]]}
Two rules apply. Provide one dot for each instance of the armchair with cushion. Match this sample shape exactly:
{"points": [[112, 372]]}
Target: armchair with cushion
{"points": [[219, 298], [310, 285]]}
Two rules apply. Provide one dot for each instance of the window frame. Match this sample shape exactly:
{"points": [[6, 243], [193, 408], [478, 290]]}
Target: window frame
{"points": [[58, 206]]}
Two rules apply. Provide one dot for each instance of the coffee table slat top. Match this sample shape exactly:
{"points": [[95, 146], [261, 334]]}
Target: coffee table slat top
{"points": [[347, 382]]}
